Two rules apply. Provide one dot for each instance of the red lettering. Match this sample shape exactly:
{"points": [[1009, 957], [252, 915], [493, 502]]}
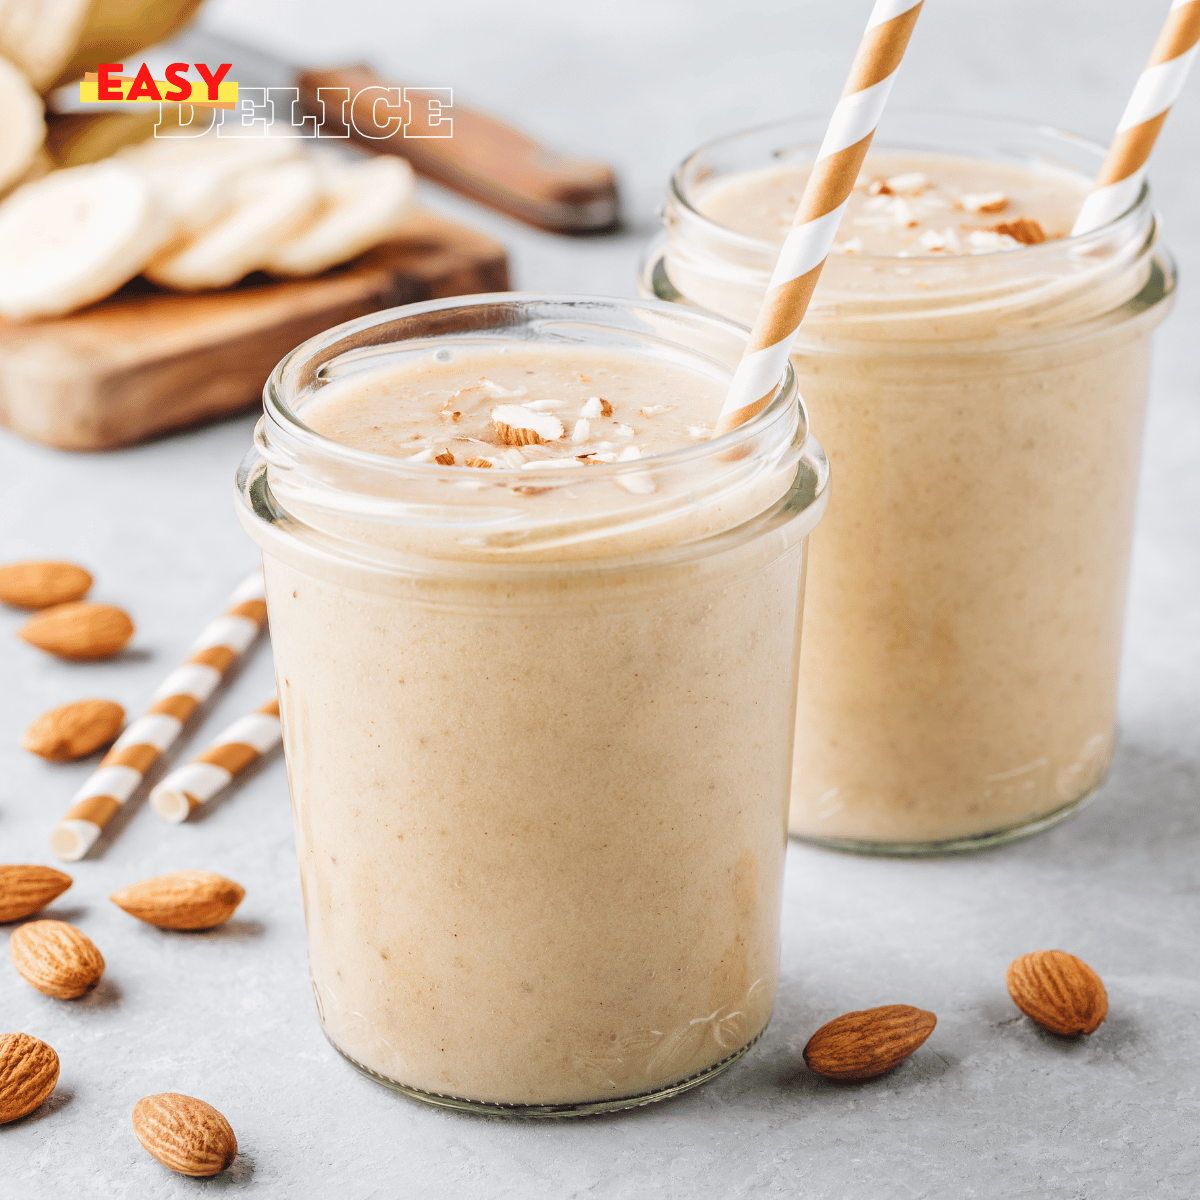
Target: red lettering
{"points": [[108, 88], [213, 81], [144, 85], [175, 73]]}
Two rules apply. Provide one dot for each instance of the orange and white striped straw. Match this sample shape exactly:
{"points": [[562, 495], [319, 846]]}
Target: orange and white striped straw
{"points": [[1119, 183], [235, 749], [820, 213], [123, 768]]}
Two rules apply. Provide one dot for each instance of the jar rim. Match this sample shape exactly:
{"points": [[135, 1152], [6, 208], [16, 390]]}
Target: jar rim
{"points": [[1126, 220], [286, 424]]}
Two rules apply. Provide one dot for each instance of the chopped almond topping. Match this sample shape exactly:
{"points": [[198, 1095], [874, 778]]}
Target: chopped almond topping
{"points": [[1024, 229], [985, 202], [445, 459], [520, 426], [878, 187], [477, 462], [654, 409], [606, 409], [455, 415]]}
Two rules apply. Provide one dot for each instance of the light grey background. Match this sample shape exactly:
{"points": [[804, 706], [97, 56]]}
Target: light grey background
{"points": [[989, 1107]]}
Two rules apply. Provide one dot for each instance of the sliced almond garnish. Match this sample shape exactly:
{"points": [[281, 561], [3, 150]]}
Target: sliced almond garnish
{"points": [[1024, 229], [623, 431], [425, 455], [477, 462], [878, 187], [985, 202], [910, 181], [700, 432], [455, 415], [654, 409], [582, 430], [494, 389], [544, 405], [517, 425], [445, 459], [596, 406]]}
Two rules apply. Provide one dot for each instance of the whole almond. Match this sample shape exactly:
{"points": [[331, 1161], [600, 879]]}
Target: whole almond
{"points": [[866, 1043], [56, 958], [28, 1073], [41, 584], [26, 888], [181, 900], [1058, 991], [80, 632], [74, 730], [184, 1133]]}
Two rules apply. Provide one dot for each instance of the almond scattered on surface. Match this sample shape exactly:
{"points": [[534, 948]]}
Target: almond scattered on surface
{"points": [[184, 1133], [78, 631], [1058, 991], [28, 1073], [55, 958], [41, 584], [26, 888], [74, 730], [866, 1043], [181, 900]]}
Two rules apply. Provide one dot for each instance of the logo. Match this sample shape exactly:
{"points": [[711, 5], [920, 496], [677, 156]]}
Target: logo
{"points": [[107, 86], [375, 113]]}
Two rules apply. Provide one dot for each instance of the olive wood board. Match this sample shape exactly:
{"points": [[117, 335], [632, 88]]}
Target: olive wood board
{"points": [[146, 361]]}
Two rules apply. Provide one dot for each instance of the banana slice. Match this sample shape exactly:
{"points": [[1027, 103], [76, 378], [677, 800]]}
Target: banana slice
{"points": [[75, 236], [364, 204], [267, 206], [22, 128], [40, 36]]}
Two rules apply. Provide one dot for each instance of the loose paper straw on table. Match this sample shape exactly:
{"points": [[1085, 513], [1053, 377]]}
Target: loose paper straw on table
{"points": [[816, 223], [123, 768], [196, 782], [1119, 183]]}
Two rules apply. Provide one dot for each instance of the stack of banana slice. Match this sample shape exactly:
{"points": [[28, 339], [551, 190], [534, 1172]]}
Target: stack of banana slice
{"points": [[189, 213]]}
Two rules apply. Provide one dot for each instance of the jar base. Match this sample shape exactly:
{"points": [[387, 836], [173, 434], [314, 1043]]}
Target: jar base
{"points": [[486, 1108], [961, 845]]}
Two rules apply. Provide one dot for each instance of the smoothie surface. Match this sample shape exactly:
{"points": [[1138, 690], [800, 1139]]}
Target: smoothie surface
{"points": [[912, 204], [522, 407]]}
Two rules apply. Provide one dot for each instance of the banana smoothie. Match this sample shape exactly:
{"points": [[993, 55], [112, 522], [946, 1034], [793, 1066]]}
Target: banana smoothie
{"points": [[536, 641], [978, 377]]}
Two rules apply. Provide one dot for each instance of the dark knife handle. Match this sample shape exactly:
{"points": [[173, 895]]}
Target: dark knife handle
{"points": [[484, 159]]}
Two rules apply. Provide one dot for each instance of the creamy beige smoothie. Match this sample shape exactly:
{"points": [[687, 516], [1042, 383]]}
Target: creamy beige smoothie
{"points": [[978, 380], [538, 718]]}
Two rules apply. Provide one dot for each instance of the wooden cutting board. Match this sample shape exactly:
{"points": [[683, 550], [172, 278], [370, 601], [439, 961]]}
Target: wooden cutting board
{"points": [[145, 361]]}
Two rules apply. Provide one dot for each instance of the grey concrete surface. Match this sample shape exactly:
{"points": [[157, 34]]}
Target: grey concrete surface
{"points": [[990, 1107]]}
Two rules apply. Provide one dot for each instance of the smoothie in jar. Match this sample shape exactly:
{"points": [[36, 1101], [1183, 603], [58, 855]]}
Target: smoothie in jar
{"points": [[536, 641], [978, 378]]}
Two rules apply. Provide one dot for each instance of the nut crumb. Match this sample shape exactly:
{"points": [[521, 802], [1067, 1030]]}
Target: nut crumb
{"points": [[517, 425], [985, 202], [879, 187], [478, 462], [1024, 230], [654, 409], [455, 415], [445, 459]]}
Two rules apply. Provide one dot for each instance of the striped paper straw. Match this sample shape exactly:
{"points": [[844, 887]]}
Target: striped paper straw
{"points": [[123, 768], [816, 223], [196, 782], [1119, 183]]}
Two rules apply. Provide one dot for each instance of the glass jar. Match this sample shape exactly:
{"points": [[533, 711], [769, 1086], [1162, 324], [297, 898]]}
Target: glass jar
{"points": [[983, 418], [538, 738]]}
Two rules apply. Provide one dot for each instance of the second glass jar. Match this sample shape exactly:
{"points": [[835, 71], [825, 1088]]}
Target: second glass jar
{"points": [[983, 417]]}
